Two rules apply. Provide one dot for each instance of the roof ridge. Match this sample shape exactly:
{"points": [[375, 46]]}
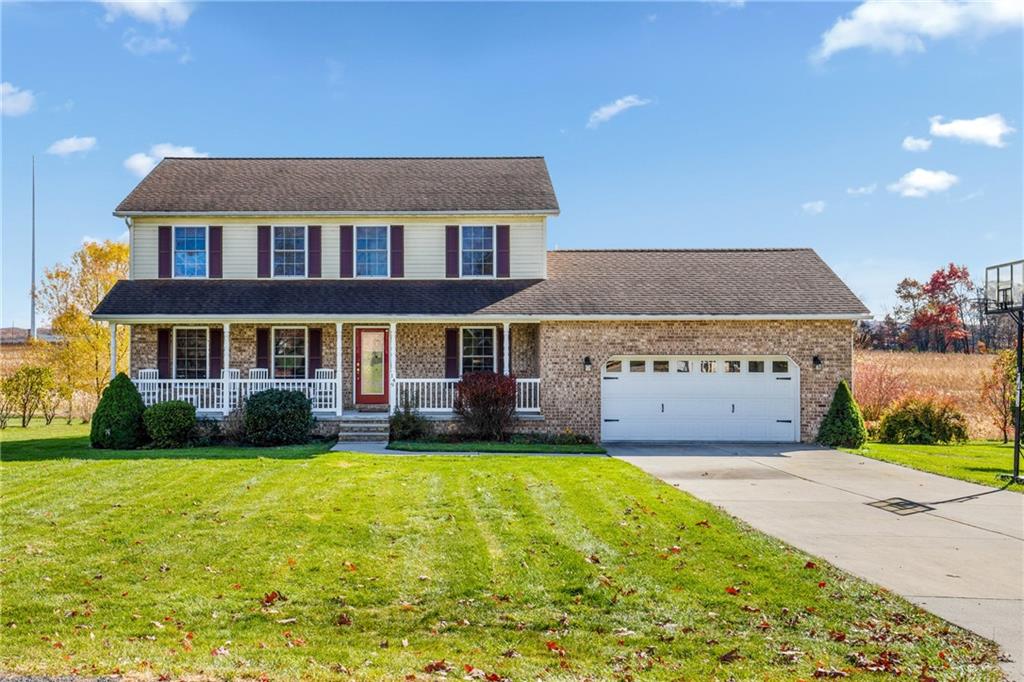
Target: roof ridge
{"points": [[344, 158], [687, 250]]}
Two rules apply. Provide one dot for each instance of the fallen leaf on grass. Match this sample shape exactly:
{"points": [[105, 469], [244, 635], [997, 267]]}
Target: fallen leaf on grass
{"points": [[343, 619], [555, 647], [732, 590], [441, 666], [730, 656], [829, 673], [270, 598], [810, 565]]}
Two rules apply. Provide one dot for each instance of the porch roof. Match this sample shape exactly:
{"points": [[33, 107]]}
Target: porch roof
{"points": [[765, 283]]}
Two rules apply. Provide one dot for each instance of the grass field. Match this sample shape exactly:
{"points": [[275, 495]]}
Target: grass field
{"points": [[480, 446], [953, 374], [976, 461], [220, 563]]}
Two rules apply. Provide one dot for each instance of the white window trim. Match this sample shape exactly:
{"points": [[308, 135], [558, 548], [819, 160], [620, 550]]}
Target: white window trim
{"points": [[494, 345], [174, 352], [305, 252], [494, 252], [273, 349], [355, 253], [174, 251]]}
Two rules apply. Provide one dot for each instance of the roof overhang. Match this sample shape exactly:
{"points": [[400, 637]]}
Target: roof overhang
{"points": [[481, 317], [256, 214]]}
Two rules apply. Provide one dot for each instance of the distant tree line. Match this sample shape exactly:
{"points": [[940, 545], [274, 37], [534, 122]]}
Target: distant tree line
{"points": [[945, 314]]}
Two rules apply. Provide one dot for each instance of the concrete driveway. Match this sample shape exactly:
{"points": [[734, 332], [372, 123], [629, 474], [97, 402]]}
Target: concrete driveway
{"points": [[961, 557]]}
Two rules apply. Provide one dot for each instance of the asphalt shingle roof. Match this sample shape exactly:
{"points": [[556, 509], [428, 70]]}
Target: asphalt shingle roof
{"points": [[333, 185], [580, 283]]}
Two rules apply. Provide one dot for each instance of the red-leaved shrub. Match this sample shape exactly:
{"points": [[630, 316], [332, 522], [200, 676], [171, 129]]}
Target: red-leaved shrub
{"points": [[485, 402], [877, 384]]}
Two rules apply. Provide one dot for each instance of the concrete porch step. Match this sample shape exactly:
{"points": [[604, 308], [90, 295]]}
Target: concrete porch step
{"points": [[363, 436]]}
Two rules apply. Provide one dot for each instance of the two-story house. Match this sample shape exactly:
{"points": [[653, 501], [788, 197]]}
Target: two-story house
{"points": [[368, 283]]}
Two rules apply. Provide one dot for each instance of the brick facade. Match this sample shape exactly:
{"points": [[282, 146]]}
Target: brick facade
{"points": [[554, 351], [570, 395]]}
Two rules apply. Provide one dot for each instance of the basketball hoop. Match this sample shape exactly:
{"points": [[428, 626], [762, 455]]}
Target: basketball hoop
{"points": [[1004, 295]]}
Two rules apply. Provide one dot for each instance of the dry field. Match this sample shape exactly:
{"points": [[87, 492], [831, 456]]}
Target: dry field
{"points": [[13, 356], [954, 374]]}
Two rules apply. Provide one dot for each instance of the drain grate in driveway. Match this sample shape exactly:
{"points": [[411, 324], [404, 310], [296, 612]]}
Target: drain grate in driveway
{"points": [[901, 506]]}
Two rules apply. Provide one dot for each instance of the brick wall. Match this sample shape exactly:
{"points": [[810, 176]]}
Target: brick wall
{"points": [[570, 395]]}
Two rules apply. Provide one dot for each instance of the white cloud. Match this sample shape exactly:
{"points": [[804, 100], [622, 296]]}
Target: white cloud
{"points": [[813, 207], [607, 112], [899, 26], [142, 45], [920, 183], [728, 3], [161, 13], [916, 144], [14, 101], [988, 130], [72, 145], [862, 191], [141, 163]]}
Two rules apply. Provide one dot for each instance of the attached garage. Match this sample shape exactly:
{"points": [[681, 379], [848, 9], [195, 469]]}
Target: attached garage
{"points": [[700, 398]]}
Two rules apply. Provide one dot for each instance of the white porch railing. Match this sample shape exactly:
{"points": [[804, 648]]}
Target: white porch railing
{"points": [[208, 395], [438, 395], [224, 395]]}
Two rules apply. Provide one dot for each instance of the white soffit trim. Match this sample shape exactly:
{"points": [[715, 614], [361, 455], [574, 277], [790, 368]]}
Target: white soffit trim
{"points": [[156, 319]]}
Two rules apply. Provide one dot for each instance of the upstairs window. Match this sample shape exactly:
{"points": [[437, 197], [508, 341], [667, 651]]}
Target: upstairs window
{"points": [[290, 353], [478, 349], [371, 251], [191, 353], [477, 251], [190, 252], [289, 251]]}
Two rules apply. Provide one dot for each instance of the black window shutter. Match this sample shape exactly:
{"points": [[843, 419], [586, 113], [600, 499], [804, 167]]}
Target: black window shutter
{"points": [[504, 249], [216, 353], [164, 251], [315, 350], [451, 353], [397, 251], [263, 251], [451, 251], [216, 254], [499, 350], [313, 251], [163, 353], [263, 348]]}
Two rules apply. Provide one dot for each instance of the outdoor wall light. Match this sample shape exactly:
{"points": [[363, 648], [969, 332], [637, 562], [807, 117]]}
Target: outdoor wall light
{"points": [[817, 362], [587, 364]]}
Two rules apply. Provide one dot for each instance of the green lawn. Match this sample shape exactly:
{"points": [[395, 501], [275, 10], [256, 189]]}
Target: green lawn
{"points": [[524, 567], [490, 446], [976, 461]]}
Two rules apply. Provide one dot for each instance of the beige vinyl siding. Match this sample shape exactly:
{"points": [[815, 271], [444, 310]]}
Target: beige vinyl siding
{"points": [[424, 251], [424, 243], [528, 256], [145, 252], [239, 255], [330, 251]]}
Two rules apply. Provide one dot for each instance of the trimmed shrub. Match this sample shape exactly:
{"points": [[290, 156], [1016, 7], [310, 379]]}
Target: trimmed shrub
{"points": [[485, 403], [923, 420], [566, 437], [843, 425], [408, 424], [277, 417], [117, 422], [170, 423]]}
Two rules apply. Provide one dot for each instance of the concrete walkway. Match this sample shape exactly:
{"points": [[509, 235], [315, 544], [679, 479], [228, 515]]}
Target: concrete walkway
{"points": [[962, 558]]}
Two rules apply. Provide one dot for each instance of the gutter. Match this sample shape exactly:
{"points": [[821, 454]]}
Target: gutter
{"points": [[440, 319], [256, 214]]}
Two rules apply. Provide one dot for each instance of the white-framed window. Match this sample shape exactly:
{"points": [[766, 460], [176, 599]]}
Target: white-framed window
{"points": [[289, 353], [191, 352], [613, 367], [477, 251], [708, 366], [191, 251], [289, 247], [733, 366], [683, 366], [372, 251], [477, 350]]}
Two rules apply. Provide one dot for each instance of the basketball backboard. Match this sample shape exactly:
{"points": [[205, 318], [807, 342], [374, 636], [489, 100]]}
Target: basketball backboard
{"points": [[1004, 288]]}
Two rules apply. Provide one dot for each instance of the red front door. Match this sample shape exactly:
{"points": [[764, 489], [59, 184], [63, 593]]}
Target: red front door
{"points": [[371, 369]]}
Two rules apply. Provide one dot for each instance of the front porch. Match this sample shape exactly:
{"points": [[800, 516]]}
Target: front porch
{"points": [[346, 369]]}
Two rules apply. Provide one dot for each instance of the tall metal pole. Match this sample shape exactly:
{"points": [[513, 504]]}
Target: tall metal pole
{"points": [[1017, 403], [32, 324]]}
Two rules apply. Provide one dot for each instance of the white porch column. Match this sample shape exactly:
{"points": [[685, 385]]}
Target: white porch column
{"points": [[225, 372], [392, 369], [113, 350], [339, 363], [504, 349]]}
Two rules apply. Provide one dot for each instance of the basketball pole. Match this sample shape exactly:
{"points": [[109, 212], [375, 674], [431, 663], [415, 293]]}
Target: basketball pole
{"points": [[1019, 318]]}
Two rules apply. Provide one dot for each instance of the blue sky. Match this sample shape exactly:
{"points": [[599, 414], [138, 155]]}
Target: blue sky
{"points": [[705, 124]]}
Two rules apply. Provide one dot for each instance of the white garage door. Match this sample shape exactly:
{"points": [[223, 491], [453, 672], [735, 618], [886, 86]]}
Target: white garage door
{"points": [[703, 398]]}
